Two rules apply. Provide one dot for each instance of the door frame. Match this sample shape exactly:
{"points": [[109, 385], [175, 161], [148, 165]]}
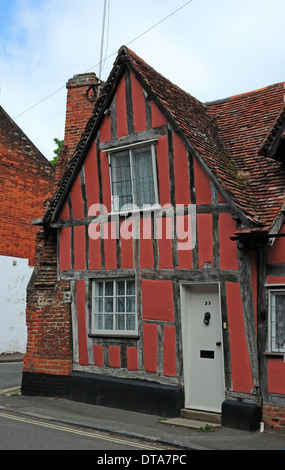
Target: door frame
{"points": [[184, 291]]}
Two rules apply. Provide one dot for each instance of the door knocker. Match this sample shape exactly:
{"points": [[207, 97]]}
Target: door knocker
{"points": [[207, 318]]}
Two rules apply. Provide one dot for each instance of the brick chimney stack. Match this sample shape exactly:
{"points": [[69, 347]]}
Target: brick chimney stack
{"points": [[81, 96]]}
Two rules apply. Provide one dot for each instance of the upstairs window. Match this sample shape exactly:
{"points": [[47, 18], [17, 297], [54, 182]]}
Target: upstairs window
{"points": [[277, 321], [133, 178], [114, 307]]}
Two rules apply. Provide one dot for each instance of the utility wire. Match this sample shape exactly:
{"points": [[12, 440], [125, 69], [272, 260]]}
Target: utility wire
{"points": [[106, 58], [102, 40]]}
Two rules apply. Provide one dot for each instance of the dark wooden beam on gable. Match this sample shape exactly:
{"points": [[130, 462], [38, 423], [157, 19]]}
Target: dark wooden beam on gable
{"points": [[274, 145]]}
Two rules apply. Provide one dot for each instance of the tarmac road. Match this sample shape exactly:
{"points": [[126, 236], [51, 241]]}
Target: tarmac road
{"points": [[10, 377], [26, 433], [124, 424]]}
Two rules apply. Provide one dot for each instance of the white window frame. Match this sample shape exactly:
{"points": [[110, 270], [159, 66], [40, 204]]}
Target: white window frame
{"points": [[113, 331], [130, 147], [272, 348]]}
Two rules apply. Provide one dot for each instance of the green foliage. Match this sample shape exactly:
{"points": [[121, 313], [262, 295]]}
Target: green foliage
{"points": [[59, 144], [206, 428]]}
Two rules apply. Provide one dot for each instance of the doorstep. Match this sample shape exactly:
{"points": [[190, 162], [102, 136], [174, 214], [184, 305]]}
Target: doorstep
{"points": [[213, 418], [195, 419]]}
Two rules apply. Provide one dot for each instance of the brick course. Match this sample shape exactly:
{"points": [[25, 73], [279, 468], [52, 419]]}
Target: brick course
{"points": [[274, 417], [49, 345], [26, 182], [78, 112]]}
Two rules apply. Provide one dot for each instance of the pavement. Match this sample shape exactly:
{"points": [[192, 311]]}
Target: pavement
{"points": [[181, 434]]}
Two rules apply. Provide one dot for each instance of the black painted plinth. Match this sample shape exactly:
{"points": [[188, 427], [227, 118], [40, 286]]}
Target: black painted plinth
{"points": [[241, 415], [129, 394]]}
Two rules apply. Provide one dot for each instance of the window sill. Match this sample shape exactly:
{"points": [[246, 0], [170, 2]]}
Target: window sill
{"points": [[275, 355], [136, 211], [114, 335]]}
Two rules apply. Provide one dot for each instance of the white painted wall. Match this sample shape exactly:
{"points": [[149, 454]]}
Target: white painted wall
{"points": [[15, 274]]}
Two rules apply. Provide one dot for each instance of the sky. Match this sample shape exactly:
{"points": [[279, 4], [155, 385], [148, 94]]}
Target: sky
{"points": [[211, 48]]}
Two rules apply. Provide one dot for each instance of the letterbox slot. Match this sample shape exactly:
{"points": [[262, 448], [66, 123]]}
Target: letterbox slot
{"points": [[207, 354]]}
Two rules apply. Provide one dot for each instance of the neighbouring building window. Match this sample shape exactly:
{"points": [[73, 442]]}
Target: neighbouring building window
{"points": [[277, 321], [133, 177], [114, 307]]}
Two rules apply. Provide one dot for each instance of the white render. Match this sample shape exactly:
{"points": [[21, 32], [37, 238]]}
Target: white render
{"points": [[15, 274]]}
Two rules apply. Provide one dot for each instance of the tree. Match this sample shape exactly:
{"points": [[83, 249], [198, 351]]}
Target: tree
{"points": [[59, 144]]}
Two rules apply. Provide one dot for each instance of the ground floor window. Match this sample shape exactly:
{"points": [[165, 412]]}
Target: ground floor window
{"points": [[277, 320], [114, 307]]}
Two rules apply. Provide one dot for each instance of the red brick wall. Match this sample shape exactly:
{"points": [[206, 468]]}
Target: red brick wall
{"points": [[274, 417], [26, 182], [78, 112], [49, 344]]}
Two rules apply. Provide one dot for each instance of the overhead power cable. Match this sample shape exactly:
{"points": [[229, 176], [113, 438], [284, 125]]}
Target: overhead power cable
{"points": [[106, 58]]}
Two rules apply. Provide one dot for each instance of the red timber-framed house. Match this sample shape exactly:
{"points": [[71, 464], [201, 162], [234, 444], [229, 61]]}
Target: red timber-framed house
{"points": [[187, 319]]}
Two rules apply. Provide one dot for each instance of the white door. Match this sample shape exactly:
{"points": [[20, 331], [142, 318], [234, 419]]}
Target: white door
{"points": [[202, 347]]}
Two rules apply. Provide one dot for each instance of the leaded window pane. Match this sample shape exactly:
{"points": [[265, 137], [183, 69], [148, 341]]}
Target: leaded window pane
{"points": [[133, 180], [121, 179], [278, 322], [142, 173], [114, 306]]}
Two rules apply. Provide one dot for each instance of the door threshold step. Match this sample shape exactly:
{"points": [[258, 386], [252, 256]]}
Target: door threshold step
{"points": [[196, 415], [190, 423]]}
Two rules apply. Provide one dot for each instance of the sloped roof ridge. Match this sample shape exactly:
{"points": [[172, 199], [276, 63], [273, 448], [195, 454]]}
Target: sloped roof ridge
{"points": [[244, 94], [30, 147]]}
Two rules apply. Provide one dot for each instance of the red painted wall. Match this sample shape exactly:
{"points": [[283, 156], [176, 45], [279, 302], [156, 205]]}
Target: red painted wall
{"points": [[169, 349], [79, 248], [276, 376], [205, 239], [65, 249], [157, 300], [241, 371], [276, 252], [163, 170], [122, 126], [98, 356], [146, 243], [202, 185], [181, 173], [91, 176], [138, 105], [157, 117], [82, 336], [228, 248], [150, 347], [76, 199], [115, 356], [132, 359]]}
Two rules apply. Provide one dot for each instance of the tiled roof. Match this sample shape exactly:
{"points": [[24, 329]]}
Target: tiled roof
{"points": [[226, 137], [245, 122]]}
